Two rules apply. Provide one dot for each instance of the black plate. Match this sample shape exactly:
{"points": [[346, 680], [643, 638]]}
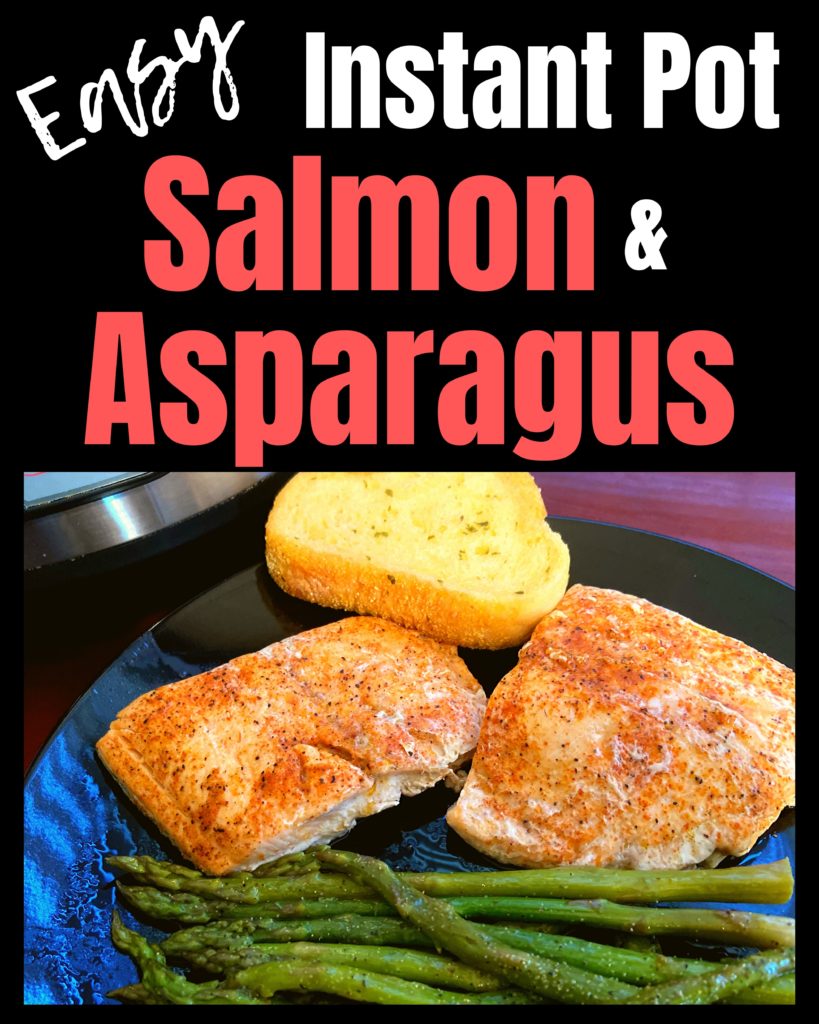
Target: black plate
{"points": [[75, 815]]}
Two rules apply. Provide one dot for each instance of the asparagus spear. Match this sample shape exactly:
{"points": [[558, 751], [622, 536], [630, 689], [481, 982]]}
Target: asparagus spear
{"points": [[727, 980], [136, 993], [727, 927], [277, 975], [165, 985], [723, 926], [348, 928], [190, 909], [756, 883], [400, 963], [243, 887]]}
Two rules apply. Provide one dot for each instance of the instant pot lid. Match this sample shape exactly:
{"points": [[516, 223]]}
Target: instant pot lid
{"points": [[89, 522]]}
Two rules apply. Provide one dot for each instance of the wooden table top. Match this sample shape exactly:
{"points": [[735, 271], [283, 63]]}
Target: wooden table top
{"points": [[748, 516], [72, 633]]}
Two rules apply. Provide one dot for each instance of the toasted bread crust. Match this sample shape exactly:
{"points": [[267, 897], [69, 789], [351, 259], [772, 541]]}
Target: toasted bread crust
{"points": [[456, 612], [447, 615]]}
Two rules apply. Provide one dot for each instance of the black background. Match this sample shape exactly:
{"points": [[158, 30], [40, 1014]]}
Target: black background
{"points": [[82, 223]]}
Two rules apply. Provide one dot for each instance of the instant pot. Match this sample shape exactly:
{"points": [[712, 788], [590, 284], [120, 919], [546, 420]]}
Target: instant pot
{"points": [[81, 523]]}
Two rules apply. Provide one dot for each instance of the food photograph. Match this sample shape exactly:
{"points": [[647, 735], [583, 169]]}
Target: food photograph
{"points": [[409, 738]]}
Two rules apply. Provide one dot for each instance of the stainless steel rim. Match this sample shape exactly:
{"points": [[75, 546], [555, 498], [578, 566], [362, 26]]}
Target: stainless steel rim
{"points": [[128, 516]]}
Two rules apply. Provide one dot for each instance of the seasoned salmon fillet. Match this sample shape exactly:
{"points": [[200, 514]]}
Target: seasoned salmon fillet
{"points": [[629, 736], [284, 748]]}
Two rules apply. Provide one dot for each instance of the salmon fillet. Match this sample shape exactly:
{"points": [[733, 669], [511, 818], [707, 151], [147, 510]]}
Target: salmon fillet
{"points": [[629, 736], [284, 748]]}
